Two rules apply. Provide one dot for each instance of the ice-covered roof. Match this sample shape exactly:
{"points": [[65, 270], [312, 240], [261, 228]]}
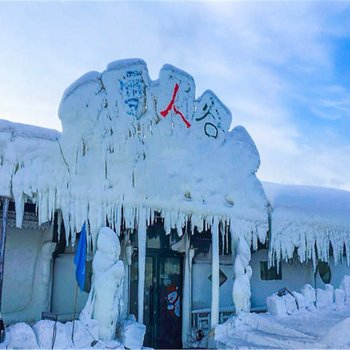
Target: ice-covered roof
{"points": [[131, 146], [308, 219], [29, 156], [28, 131]]}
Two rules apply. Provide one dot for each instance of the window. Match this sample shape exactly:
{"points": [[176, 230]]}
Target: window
{"points": [[324, 271], [271, 273]]}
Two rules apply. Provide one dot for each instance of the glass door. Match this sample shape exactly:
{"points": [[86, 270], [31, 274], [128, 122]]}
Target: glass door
{"points": [[163, 296]]}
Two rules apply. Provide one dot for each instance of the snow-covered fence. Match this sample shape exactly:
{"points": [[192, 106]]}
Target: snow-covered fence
{"points": [[309, 298]]}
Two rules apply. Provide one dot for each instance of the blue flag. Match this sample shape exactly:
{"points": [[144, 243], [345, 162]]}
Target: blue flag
{"points": [[79, 259]]}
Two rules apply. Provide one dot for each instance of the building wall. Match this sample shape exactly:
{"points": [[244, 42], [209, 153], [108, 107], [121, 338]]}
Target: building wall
{"points": [[294, 276], [64, 287], [32, 282], [27, 274], [201, 285], [21, 255]]}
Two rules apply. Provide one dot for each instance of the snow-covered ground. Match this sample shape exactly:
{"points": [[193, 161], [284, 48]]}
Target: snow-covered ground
{"points": [[47, 334], [318, 328]]}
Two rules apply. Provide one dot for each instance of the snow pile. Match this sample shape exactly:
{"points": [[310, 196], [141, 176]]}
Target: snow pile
{"points": [[322, 328], [20, 335], [309, 299], [47, 334], [105, 299], [308, 219], [260, 331], [338, 336], [310, 319], [131, 144], [132, 333]]}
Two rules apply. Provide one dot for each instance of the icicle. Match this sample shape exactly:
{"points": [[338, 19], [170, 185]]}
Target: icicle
{"points": [[141, 234], [88, 241], [215, 280], [52, 202], [19, 205], [66, 225], [222, 232], [59, 223], [227, 236], [152, 217], [117, 221]]}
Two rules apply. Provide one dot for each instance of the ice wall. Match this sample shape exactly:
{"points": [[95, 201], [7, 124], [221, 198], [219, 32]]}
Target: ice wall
{"points": [[131, 144]]}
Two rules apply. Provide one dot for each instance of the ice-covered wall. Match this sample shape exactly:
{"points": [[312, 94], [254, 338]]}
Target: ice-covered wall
{"points": [[309, 220], [27, 274], [129, 145]]}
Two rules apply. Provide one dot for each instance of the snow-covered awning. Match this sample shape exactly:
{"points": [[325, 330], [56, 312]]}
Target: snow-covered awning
{"points": [[131, 146], [308, 219]]}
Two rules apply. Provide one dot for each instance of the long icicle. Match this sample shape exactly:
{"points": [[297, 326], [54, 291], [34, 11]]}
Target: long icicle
{"points": [[141, 234], [215, 283]]}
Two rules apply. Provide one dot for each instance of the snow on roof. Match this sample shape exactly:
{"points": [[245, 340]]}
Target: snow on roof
{"points": [[28, 131], [308, 219], [27, 160]]}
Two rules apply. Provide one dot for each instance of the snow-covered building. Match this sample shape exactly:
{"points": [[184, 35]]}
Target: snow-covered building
{"points": [[159, 167]]}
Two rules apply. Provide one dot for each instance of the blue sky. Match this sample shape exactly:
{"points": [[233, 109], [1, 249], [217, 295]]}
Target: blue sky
{"points": [[283, 68]]}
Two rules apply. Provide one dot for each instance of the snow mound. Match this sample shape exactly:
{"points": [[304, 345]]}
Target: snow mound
{"points": [[50, 333], [339, 336], [21, 336], [260, 331], [131, 334]]}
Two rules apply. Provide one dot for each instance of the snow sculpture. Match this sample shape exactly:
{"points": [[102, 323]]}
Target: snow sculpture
{"points": [[243, 273], [105, 302]]}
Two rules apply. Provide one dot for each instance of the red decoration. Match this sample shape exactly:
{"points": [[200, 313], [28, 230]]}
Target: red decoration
{"points": [[171, 106]]}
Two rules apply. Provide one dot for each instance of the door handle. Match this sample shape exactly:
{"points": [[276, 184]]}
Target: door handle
{"points": [[152, 311]]}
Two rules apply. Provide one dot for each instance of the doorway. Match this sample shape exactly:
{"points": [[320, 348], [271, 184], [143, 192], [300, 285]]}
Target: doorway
{"points": [[162, 297]]}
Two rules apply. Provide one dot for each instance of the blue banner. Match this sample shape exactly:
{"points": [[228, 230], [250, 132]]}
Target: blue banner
{"points": [[80, 258]]}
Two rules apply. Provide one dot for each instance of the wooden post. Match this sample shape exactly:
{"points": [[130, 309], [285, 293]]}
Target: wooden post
{"points": [[187, 293], [5, 207]]}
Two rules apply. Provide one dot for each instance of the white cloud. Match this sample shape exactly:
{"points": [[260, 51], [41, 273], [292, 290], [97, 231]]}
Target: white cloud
{"points": [[271, 63]]}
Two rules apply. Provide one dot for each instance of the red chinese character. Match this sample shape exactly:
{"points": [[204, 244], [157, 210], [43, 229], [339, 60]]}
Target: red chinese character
{"points": [[171, 106]]}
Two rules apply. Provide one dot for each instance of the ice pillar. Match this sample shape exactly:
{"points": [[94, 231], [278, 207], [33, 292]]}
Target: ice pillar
{"points": [[215, 273], [141, 234], [241, 285], [187, 293]]}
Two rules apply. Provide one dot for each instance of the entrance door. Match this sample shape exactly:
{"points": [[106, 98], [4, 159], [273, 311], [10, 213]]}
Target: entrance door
{"points": [[162, 303]]}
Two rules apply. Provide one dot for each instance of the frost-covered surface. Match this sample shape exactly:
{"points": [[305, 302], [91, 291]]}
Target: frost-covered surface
{"points": [[308, 219], [131, 144], [310, 319], [317, 329], [28, 131]]}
